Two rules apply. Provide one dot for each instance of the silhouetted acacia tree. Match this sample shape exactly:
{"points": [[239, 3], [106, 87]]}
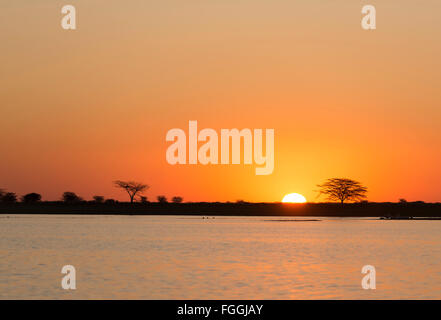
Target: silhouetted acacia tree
{"points": [[162, 199], [177, 199], [31, 198], [340, 189], [9, 197], [98, 199], [131, 187], [70, 197], [2, 193]]}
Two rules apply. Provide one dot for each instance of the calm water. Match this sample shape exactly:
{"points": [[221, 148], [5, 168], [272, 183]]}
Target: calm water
{"points": [[169, 257]]}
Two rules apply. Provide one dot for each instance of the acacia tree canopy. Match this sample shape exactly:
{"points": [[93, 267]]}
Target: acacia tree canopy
{"points": [[342, 189], [131, 187]]}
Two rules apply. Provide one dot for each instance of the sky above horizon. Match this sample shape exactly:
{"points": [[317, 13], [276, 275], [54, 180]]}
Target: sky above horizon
{"points": [[80, 109]]}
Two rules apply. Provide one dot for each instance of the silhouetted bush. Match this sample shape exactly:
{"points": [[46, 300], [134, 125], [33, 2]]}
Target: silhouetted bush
{"points": [[98, 199], [31, 198], [402, 201], [143, 199], [177, 199], [162, 199], [109, 201], [70, 197], [9, 197]]}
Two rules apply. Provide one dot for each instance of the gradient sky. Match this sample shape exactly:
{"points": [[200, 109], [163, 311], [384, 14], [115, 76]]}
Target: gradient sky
{"points": [[79, 109]]}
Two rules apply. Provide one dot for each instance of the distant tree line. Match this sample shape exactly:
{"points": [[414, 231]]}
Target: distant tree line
{"points": [[133, 189], [335, 189]]}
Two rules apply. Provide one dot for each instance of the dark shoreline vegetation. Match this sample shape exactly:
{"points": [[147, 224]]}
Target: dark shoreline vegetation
{"points": [[363, 209]]}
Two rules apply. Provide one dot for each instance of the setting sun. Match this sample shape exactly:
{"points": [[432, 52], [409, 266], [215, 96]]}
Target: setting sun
{"points": [[294, 198]]}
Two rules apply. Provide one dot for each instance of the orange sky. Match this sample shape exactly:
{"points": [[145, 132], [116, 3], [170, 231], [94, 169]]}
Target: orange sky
{"points": [[82, 108]]}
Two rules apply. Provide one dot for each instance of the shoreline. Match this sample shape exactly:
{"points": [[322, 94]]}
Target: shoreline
{"points": [[370, 209]]}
